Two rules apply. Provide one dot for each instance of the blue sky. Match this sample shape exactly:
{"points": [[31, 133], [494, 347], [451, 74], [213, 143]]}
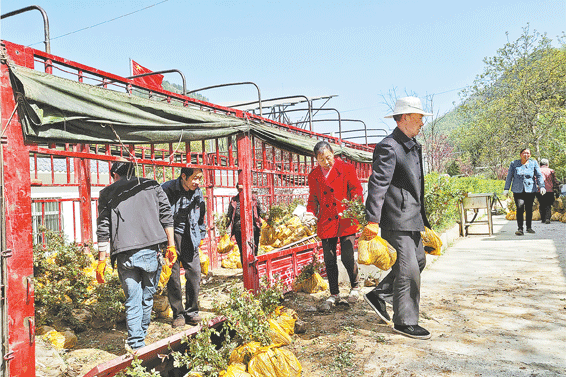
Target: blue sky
{"points": [[358, 50]]}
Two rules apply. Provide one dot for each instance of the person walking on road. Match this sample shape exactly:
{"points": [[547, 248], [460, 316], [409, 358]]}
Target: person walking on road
{"points": [[188, 207], [552, 188], [395, 203], [526, 179], [135, 220], [332, 181]]}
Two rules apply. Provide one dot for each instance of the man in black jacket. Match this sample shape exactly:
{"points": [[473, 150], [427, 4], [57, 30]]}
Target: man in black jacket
{"points": [[135, 220], [395, 203]]}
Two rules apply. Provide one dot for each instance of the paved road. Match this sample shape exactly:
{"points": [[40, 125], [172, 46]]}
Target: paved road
{"points": [[496, 306]]}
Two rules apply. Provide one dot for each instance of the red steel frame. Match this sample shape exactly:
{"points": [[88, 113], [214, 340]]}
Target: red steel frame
{"points": [[275, 175]]}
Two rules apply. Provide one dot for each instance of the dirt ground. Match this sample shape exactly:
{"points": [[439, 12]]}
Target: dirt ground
{"points": [[496, 306]]}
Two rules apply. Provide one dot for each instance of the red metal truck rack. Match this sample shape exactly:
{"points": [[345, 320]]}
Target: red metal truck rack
{"points": [[256, 153]]}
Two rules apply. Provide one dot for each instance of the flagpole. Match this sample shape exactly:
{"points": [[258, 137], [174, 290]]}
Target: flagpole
{"points": [[131, 72]]}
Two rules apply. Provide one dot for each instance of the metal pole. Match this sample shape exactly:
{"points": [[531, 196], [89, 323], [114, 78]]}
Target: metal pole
{"points": [[309, 104], [232, 84], [47, 41], [321, 109]]}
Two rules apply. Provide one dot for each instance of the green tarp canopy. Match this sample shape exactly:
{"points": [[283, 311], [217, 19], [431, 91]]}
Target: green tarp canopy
{"points": [[55, 109]]}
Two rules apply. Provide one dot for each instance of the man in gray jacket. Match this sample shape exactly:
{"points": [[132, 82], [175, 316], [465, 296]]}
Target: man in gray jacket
{"points": [[395, 203], [135, 220]]}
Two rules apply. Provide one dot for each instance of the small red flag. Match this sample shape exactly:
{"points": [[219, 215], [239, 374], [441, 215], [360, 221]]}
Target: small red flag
{"points": [[151, 81]]}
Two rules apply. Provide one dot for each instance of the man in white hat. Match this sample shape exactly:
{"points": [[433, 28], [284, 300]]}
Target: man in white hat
{"points": [[395, 203]]}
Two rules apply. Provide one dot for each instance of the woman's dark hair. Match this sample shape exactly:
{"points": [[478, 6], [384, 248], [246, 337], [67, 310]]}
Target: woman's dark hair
{"points": [[123, 168], [322, 146]]}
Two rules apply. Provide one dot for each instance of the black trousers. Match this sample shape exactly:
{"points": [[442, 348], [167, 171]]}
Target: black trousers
{"points": [[238, 236], [524, 202], [402, 286], [545, 202], [347, 256], [189, 257]]}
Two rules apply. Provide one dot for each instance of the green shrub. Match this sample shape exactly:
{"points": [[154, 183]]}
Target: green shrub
{"points": [[443, 194], [202, 355], [245, 316], [64, 282], [61, 283]]}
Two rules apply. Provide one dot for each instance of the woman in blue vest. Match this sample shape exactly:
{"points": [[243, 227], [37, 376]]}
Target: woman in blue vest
{"points": [[527, 181]]}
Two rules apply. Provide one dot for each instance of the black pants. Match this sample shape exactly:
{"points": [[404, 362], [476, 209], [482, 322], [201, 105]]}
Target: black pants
{"points": [[402, 286], [238, 236], [545, 202], [347, 256], [524, 202], [190, 259]]}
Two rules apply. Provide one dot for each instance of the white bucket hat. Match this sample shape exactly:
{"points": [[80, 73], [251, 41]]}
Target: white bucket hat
{"points": [[408, 105]]}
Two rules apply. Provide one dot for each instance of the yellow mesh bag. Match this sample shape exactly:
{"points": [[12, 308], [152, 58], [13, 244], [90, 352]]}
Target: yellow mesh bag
{"points": [[511, 215], [376, 251], [244, 353], [224, 245], [56, 338], [313, 284], [536, 215], [556, 216], [278, 336], [275, 362], [235, 370], [204, 263], [431, 241], [285, 320], [164, 277]]}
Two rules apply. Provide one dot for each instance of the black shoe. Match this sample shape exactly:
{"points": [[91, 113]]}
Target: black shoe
{"points": [[412, 331], [194, 320], [519, 232], [547, 221], [529, 230], [378, 305]]}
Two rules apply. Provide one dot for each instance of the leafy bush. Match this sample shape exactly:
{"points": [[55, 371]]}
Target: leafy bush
{"points": [[137, 370], [270, 294], [278, 213], [61, 282], [245, 316], [202, 355], [356, 210], [107, 303], [443, 193], [308, 270], [64, 281]]}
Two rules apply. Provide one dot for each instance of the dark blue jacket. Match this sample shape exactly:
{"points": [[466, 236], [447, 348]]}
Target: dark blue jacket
{"points": [[396, 185], [188, 209]]}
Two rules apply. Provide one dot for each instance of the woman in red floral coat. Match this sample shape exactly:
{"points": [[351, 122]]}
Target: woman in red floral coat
{"points": [[329, 183]]}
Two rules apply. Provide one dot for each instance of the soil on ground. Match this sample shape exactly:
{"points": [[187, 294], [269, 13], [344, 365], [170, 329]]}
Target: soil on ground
{"points": [[496, 306]]}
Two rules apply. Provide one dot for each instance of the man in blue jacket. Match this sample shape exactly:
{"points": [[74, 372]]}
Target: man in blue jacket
{"points": [[188, 207], [135, 220], [395, 203]]}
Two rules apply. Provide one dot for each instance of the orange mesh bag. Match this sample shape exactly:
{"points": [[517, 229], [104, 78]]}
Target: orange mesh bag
{"points": [[431, 242]]}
